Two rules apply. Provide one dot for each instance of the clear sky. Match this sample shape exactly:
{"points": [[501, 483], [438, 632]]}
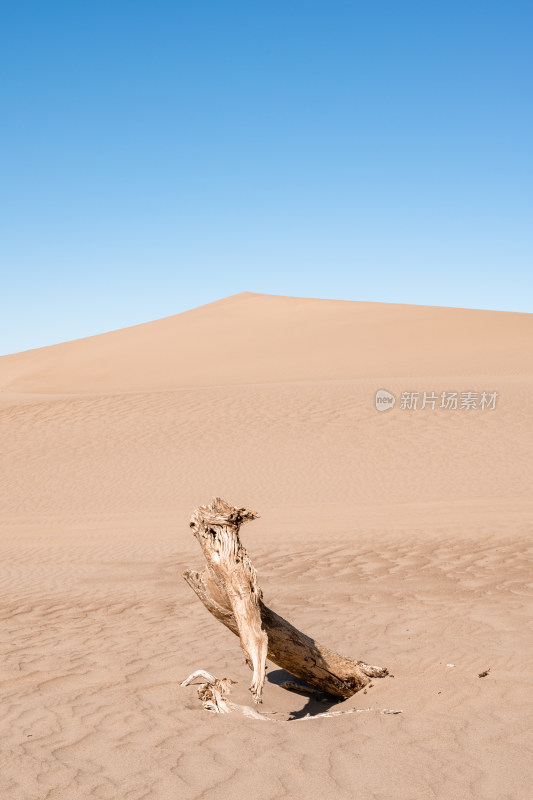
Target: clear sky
{"points": [[159, 155]]}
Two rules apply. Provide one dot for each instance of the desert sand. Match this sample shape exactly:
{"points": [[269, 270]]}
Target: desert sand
{"points": [[402, 538]]}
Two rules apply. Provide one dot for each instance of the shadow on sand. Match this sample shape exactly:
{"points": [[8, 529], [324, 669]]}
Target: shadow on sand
{"points": [[316, 703]]}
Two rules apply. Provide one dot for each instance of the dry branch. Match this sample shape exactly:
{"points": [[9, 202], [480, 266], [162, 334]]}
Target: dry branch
{"points": [[228, 589], [213, 695]]}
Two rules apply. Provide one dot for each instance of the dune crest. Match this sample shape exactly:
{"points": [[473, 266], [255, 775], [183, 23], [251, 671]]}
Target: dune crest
{"points": [[253, 338]]}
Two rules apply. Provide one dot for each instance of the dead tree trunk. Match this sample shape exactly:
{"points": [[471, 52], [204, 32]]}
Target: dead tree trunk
{"points": [[228, 589]]}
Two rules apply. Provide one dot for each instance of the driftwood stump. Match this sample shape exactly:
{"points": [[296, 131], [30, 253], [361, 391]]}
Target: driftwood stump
{"points": [[228, 589]]}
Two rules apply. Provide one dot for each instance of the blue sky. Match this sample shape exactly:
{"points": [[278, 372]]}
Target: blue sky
{"points": [[156, 156]]}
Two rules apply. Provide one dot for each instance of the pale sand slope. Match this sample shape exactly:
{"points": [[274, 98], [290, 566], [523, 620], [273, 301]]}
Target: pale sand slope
{"points": [[403, 538]]}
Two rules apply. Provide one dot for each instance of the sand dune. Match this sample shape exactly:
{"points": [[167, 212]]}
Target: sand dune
{"points": [[403, 538], [253, 338]]}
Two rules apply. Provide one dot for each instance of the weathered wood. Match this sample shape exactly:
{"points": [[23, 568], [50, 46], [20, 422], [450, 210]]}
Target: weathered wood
{"points": [[228, 589], [213, 695], [232, 579]]}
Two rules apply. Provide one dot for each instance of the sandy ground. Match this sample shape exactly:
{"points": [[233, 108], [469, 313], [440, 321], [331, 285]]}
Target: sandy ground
{"points": [[402, 538]]}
